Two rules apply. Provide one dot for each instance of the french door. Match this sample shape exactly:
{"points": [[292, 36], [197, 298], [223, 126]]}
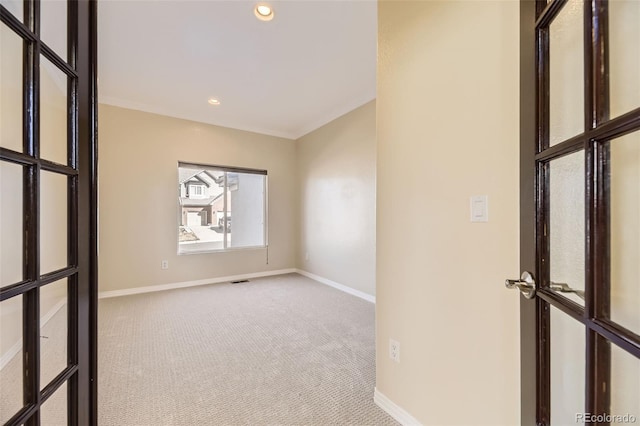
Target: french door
{"points": [[48, 219], [580, 211]]}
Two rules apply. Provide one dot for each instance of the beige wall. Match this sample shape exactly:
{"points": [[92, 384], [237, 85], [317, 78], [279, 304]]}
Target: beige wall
{"points": [[336, 174], [138, 184], [447, 123]]}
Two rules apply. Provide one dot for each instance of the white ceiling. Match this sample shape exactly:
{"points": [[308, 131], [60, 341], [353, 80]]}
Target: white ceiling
{"points": [[315, 61]]}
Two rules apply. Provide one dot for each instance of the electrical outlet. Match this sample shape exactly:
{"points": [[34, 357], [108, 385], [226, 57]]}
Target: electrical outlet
{"points": [[306, 256], [394, 350], [164, 264]]}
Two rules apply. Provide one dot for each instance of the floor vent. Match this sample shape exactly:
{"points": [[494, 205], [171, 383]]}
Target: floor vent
{"points": [[239, 281]]}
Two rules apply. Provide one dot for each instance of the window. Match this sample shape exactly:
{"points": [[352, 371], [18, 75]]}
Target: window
{"points": [[196, 191], [221, 208]]}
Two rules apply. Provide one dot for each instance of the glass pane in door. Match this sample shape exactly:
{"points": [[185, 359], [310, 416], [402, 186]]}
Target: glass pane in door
{"points": [[625, 230], [53, 113], [11, 357], [566, 226], [567, 348], [53, 221], [53, 330], [54, 409], [10, 89], [16, 7], [566, 73], [11, 177], [624, 56], [625, 387], [53, 24]]}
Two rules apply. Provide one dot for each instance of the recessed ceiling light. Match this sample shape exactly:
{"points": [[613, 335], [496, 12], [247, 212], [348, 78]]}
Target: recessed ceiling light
{"points": [[264, 12], [214, 101]]}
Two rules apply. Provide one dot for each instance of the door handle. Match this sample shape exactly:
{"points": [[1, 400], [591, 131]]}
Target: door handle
{"points": [[564, 288], [526, 284]]}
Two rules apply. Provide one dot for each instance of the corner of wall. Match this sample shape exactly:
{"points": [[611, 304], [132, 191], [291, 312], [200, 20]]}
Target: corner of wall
{"points": [[335, 169]]}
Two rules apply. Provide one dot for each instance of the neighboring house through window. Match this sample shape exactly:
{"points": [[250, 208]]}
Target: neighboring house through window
{"points": [[207, 197]]}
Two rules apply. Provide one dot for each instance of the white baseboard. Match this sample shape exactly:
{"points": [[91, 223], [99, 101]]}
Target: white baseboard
{"points": [[342, 287], [8, 355], [183, 284], [394, 410], [15, 349]]}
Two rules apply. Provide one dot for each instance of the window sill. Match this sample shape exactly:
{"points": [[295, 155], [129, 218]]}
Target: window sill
{"points": [[227, 250]]}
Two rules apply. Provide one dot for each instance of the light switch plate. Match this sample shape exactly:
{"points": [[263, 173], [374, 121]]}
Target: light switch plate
{"points": [[479, 208]]}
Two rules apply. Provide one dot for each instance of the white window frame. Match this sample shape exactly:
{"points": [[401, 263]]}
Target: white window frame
{"points": [[225, 170]]}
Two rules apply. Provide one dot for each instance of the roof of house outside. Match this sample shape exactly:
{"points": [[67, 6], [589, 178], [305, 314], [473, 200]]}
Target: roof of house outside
{"points": [[198, 202], [195, 202], [185, 174]]}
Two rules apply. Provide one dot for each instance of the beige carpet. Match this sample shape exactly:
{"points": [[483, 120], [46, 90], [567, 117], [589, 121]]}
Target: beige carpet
{"points": [[275, 351], [283, 350]]}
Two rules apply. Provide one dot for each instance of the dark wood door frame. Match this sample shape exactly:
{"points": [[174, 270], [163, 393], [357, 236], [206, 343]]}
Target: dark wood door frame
{"points": [[87, 65], [80, 67], [535, 155]]}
